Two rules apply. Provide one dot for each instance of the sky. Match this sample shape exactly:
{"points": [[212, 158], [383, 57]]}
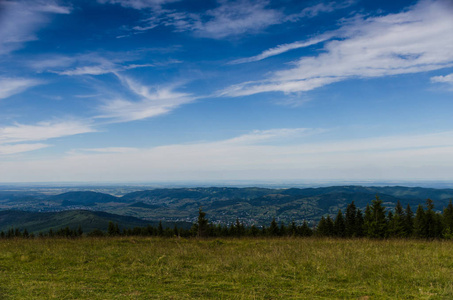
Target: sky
{"points": [[200, 90]]}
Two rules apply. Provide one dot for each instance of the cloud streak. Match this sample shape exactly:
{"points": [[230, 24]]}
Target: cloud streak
{"points": [[416, 40], [13, 86], [42, 131], [246, 158], [152, 102], [228, 19], [19, 20]]}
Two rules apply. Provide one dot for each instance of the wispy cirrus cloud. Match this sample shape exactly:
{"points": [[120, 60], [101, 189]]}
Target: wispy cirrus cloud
{"points": [[313, 11], [16, 138], [229, 18], [20, 148], [139, 4], [42, 131], [271, 135], [150, 101], [416, 40], [282, 49], [405, 157], [93, 63], [12, 86], [19, 21]]}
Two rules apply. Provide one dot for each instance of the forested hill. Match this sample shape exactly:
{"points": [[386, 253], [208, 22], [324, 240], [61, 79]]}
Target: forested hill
{"points": [[224, 204]]}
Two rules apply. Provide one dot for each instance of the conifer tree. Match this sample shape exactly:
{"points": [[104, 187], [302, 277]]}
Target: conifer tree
{"points": [[111, 229], [305, 230], [329, 226], [376, 224], [282, 231], [339, 225], [202, 230], [397, 227], [351, 220], [408, 221], [79, 231], [359, 224], [447, 219], [430, 219], [322, 230], [160, 229], [292, 229], [420, 229], [273, 229]]}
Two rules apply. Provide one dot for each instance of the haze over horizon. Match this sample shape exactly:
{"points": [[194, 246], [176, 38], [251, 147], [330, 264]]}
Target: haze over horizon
{"points": [[253, 90]]}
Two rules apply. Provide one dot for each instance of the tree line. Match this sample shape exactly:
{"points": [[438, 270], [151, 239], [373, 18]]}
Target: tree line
{"points": [[375, 222]]}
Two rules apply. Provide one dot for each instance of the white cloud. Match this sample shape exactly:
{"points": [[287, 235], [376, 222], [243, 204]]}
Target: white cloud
{"points": [[20, 148], [139, 4], [91, 64], [443, 79], [153, 101], [416, 40], [12, 86], [19, 20], [313, 11], [111, 150], [282, 49], [234, 18], [426, 156], [42, 131], [259, 136], [229, 18]]}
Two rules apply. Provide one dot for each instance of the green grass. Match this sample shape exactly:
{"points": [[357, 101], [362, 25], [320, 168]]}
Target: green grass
{"points": [[155, 268]]}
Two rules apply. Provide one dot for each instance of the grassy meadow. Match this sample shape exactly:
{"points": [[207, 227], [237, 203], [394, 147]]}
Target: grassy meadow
{"points": [[264, 268]]}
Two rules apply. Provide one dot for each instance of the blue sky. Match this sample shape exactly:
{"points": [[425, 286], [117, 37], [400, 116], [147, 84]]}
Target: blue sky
{"points": [[174, 90]]}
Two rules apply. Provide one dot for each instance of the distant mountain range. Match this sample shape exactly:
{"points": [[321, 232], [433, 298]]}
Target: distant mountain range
{"points": [[224, 204], [88, 220]]}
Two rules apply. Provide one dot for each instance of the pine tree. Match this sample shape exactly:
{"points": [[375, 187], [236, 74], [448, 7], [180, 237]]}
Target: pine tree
{"points": [[397, 226], [351, 220], [432, 220], [79, 231], [359, 224], [447, 219], [330, 226], [160, 229], [111, 229], [339, 225], [202, 230], [376, 224], [420, 229], [408, 221], [305, 230], [322, 230], [273, 229], [292, 229]]}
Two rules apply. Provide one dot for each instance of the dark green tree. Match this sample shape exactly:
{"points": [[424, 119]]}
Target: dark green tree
{"points": [[160, 229], [359, 224], [376, 223], [339, 225], [273, 228], [305, 230], [202, 222], [397, 227], [447, 219], [408, 221], [420, 229], [351, 220]]}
